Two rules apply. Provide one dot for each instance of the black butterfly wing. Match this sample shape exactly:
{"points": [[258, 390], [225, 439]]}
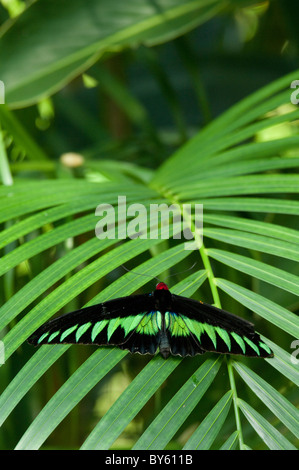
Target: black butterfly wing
{"points": [[126, 322], [196, 327], [186, 327]]}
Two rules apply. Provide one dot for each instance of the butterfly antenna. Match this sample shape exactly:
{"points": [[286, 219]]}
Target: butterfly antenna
{"points": [[185, 271], [140, 274], [148, 275]]}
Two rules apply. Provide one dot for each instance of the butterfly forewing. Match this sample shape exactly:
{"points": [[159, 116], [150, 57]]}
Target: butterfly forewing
{"points": [[110, 323]]}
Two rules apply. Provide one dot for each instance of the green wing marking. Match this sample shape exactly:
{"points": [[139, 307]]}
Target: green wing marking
{"points": [[53, 336], [149, 324], [67, 332], [81, 330], [97, 328], [224, 335], [265, 347], [43, 337]]}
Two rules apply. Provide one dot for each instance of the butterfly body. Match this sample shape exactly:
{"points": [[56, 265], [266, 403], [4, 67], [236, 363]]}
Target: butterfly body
{"points": [[163, 301], [160, 321]]}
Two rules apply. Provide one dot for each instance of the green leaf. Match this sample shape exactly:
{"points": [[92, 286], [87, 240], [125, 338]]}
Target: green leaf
{"points": [[70, 38], [272, 438], [16, 200], [282, 408], [53, 237], [252, 204], [47, 240], [264, 307], [168, 422], [231, 442], [249, 184], [190, 284], [80, 203], [244, 167], [254, 226], [207, 431], [20, 135], [131, 401], [283, 363], [280, 248], [78, 385], [276, 276], [21, 299], [221, 133], [34, 368]]}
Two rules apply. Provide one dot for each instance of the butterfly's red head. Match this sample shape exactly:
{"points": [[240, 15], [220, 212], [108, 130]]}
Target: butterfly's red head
{"points": [[162, 286]]}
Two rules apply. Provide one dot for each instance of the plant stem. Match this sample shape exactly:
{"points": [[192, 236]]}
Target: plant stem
{"points": [[235, 401], [210, 274], [214, 290]]}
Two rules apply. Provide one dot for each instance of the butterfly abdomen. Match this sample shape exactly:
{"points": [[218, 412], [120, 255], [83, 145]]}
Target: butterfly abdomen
{"points": [[164, 345]]}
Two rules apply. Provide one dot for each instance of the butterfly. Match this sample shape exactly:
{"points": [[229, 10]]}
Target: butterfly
{"points": [[161, 320]]}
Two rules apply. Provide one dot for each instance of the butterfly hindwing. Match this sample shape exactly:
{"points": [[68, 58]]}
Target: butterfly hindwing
{"points": [[181, 340], [213, 329]]}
